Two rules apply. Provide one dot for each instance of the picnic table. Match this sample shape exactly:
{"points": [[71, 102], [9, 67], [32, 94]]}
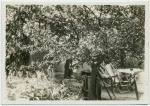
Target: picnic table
{"points": [[133, 72]]}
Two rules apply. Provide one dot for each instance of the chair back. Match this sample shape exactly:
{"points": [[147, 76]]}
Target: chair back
{"points": [[111, 71]]}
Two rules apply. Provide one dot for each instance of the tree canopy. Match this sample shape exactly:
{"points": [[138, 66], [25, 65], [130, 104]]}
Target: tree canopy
{"points": [[76, 31]]}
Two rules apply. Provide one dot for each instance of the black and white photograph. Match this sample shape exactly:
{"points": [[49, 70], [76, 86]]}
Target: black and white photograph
{"points": [[55, 52]]}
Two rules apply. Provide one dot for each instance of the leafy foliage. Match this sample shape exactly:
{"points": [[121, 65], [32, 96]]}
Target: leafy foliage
{"points": [[76, 31]]}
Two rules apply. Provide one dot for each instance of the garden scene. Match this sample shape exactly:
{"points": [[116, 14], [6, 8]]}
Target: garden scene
{"points": [[74, 52]]}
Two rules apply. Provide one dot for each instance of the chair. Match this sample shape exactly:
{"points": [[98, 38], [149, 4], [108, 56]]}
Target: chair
{"points": [[106, 80], [118, 81]]}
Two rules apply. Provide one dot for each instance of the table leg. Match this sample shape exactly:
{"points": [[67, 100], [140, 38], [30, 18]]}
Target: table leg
{"points": [[136, 91], [100, 92]]}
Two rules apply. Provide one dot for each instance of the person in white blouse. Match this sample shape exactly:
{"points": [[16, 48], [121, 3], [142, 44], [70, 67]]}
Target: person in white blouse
{"points": [[141, 80]]}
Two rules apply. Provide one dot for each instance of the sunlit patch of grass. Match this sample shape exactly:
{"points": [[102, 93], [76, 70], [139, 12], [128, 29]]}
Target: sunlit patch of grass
{"points": [[39, 89]]}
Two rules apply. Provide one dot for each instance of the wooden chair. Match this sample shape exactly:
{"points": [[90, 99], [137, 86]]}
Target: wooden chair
{"points": [[106, 81]]}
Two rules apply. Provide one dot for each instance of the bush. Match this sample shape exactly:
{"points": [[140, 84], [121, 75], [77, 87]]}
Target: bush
{"points": [[131, 62]]}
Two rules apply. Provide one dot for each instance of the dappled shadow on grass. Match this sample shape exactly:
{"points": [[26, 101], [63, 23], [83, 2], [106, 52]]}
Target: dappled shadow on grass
{"points": [[124, 96], [34, 89]]}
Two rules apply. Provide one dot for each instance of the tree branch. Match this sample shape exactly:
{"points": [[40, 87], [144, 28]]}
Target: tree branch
{"points": [[95, 17]]}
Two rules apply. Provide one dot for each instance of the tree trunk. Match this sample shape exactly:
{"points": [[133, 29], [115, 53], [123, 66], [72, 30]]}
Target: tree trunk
{"points": [[39, 25], [67, 67], [93, 84], [122, 57], [45, 25]]}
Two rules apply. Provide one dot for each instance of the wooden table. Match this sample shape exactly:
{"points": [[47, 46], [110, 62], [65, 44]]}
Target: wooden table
{"points": [[133, 73]]}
